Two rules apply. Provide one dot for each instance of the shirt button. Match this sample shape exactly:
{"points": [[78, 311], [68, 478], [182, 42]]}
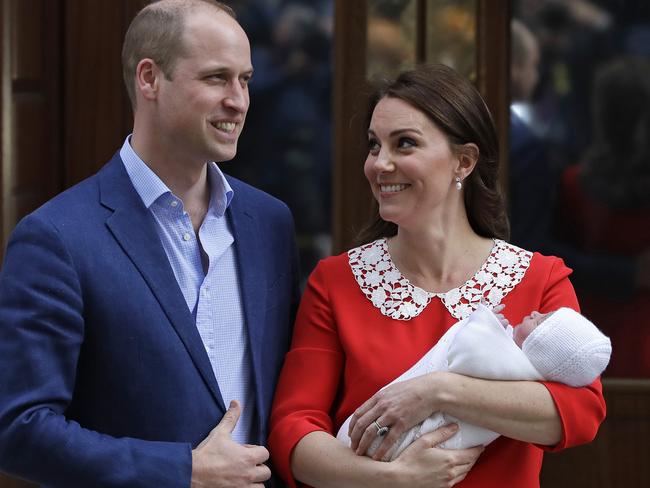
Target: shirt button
{"points": [[187, 236], [174, 203]]}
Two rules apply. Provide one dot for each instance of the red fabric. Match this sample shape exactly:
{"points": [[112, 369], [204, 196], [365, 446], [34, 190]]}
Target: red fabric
{"points": [[344, 350], [594, 227]]}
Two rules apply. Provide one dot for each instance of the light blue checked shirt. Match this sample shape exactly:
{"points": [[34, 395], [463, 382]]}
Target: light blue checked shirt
{"points": [[213, 298]]}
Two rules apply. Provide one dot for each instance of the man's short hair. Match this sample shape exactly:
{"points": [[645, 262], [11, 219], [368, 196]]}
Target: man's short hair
{"points": [[156, 32]]}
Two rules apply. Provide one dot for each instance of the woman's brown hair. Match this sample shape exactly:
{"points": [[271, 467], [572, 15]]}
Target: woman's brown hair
{"points": [[454, 105]]}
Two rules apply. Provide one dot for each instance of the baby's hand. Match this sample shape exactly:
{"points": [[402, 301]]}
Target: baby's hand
{"points": [[497, 311]]}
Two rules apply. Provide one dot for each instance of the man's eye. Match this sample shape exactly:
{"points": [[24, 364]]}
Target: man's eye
{"points": [[216, 77]]}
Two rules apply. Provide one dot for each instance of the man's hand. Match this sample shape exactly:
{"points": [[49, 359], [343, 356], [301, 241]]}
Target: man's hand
{"points": [[219, 462]]}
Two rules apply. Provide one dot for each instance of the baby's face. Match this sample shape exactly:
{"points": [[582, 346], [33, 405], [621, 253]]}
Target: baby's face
{"points": [[528, 325]]}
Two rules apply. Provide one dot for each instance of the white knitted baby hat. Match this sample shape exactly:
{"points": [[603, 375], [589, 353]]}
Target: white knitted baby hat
{"points": [[566, 347]]}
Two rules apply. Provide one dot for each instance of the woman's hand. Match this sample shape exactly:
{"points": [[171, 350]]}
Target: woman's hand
{"points": [[423, 464], [399, 406]]}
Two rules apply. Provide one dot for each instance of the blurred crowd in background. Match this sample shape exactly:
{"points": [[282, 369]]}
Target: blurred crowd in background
{"points": [[579, 159]]}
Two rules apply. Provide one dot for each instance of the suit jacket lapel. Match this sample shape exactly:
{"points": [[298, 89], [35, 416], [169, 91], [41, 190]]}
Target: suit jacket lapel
{"points": [[133, 227], [253, 285]]}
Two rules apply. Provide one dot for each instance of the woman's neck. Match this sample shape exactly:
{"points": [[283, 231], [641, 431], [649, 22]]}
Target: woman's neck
{"points": [[439, 258]]}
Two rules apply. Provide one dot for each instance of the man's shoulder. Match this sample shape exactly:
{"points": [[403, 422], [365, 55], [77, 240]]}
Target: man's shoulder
{"points": [[75, 203], [86, 191]]}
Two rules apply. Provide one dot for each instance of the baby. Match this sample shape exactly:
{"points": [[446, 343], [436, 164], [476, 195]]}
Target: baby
{"points": [[561, 346]]}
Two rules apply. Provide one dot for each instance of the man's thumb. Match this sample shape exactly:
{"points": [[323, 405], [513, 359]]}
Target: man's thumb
{"points": [[230, 418]]}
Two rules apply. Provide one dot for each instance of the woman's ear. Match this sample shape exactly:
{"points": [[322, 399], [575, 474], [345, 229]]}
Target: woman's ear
{"points": [[467, 158]]}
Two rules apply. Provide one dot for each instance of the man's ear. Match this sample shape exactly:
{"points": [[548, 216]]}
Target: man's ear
{"points": [[147, 76], [467, 158]]}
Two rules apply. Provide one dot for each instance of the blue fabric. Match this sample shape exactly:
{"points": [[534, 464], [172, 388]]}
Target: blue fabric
{"points": [[104, 378], [212, 297]]}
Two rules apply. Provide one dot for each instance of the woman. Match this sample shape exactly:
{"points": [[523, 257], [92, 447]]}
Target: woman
{"points": [[433, 252]]}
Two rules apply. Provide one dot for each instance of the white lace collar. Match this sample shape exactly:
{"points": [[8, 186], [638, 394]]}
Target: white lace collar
{"points": [[396, 297]]}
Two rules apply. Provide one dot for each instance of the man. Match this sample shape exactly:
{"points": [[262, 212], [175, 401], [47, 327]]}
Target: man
{"points": [[139, 304]]}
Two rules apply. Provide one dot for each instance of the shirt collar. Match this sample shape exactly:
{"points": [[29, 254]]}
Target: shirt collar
{"points": [[221, 192], [150, 187]]}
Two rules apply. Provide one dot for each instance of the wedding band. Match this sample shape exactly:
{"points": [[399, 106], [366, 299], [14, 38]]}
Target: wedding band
{"points": [[381, 431]]}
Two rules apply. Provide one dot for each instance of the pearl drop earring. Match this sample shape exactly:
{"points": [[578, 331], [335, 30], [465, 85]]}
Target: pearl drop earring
{"points": [[459, 185]]}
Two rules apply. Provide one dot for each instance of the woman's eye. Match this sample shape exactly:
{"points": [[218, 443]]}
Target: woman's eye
{"points": [[405, 143], [373, 146]]}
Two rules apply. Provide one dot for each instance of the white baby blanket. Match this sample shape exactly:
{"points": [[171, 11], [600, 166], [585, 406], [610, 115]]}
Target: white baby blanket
{"points": [[477, 346]]}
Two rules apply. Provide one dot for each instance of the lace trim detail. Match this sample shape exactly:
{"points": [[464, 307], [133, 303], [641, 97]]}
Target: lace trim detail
{"points": [[396, 297]]}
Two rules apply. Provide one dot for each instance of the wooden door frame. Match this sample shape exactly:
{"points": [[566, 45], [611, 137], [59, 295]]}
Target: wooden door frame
{"points": [[493, 70], [351, 195], [5, 80]]}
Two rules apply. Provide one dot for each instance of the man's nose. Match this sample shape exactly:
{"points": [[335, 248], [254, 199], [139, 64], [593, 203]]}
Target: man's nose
{"points": [[237, 98]]}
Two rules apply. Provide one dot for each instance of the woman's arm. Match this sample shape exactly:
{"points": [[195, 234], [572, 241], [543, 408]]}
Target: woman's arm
{"points": [[522, 410]]}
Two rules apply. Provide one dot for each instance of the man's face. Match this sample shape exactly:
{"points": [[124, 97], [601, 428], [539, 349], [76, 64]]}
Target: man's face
{"points": [[201, 110]]}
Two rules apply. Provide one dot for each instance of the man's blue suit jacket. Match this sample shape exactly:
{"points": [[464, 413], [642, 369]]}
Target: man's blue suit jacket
{"points": [[104, 380]]}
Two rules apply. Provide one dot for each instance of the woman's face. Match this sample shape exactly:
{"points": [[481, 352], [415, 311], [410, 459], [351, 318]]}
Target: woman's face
{"points": [[410, 164]]}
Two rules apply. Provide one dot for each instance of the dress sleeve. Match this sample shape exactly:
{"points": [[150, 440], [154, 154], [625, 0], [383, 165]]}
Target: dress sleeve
{"points": [[310, 377], [581, 410]]}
